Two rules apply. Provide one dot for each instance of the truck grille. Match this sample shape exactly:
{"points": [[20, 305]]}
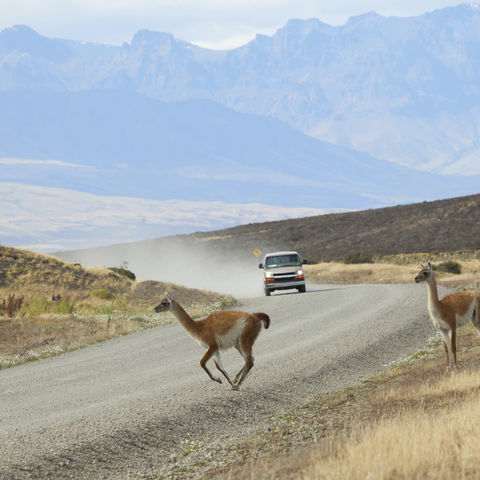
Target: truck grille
{"points": [[284, 277]]}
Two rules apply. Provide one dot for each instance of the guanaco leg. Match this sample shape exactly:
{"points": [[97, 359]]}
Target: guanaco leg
{"points": [[203, 363], [218, 364]]}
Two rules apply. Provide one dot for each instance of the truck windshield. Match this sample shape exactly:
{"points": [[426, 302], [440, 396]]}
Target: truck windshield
{"points": [[282, 261]]}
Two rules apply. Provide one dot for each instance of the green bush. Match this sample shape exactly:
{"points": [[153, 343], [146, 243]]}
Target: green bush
{"points": [[102, 293], [124, 272], [450, 266], [358, 257], [36, 306]]}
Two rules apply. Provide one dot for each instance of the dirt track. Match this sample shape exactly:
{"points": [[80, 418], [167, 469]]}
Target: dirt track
{"points": [[124, 407]]}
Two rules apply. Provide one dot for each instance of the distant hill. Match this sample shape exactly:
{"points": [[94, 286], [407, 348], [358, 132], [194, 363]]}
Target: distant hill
{"points": [[224, 258]]}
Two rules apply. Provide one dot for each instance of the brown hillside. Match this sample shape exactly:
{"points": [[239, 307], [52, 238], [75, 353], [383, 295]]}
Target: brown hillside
{"points": [[26, 273], [445, 225]]}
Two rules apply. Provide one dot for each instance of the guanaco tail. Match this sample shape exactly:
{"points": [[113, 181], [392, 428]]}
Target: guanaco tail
{"points": [[450, 313], [221, 331]]}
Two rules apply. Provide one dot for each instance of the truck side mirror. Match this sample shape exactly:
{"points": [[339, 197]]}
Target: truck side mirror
{"points": [[260, 265], [304, 261]]}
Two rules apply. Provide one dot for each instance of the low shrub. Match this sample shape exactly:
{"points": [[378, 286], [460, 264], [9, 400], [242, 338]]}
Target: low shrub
{"points": [[450, 266], [11, 306], [123, 271], [102, 293], [358, 257]]}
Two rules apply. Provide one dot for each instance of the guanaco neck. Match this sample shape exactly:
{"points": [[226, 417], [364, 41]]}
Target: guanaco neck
{"points": [[185, 319], [432, 290]]}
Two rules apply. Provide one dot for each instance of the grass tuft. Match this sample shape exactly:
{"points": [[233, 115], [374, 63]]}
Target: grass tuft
{"points": [[358, 257], [103, 293]]}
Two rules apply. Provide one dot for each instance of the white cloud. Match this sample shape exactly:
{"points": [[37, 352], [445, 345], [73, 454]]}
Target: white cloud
{"points": [[48, 219], [468, 164], [49, 163]]}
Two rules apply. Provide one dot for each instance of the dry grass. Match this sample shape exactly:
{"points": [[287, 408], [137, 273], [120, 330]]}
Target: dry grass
{"points": [[394, 269], [421, 442], [414, 422], [340, 273], [436, 445], [32, 338]]}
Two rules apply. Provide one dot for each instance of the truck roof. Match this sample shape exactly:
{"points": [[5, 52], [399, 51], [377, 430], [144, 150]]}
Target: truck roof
{"points": [[281, 253]]}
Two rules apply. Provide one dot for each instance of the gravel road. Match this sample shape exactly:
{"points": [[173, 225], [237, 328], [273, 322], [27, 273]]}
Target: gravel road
{"points": [[126, 407]]}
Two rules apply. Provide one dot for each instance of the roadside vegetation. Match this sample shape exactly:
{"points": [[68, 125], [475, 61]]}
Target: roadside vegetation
{"points": [[460, 270]]}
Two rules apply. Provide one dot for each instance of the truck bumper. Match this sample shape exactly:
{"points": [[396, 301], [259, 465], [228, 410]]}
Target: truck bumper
{"points": [[272, 286]]}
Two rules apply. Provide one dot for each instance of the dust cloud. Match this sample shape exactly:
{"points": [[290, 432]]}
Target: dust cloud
{"points": [[193, 265]]}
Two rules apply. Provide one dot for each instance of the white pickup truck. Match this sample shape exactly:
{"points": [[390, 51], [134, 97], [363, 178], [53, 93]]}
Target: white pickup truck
{"points": [[283, 271]]}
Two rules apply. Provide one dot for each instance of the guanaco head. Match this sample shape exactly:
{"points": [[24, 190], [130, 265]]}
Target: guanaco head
{"points": [[425, 273], [164, 305]]}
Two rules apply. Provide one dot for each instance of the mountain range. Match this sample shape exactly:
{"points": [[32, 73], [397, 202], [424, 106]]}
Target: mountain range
{"points": [[401, 89], [376, 112]]}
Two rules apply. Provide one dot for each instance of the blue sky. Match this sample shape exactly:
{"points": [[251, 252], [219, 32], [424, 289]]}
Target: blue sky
{"points": [[220, 24]]}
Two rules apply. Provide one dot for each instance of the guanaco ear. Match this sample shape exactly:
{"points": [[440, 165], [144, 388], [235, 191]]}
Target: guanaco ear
{"points": [[430, 267], [167, 296]]}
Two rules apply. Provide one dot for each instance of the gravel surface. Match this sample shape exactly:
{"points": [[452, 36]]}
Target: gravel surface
{"points": [[133, 406]]}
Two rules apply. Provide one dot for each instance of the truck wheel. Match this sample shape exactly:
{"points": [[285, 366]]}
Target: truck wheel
{"points": [[267, 292], [301, 289]]}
